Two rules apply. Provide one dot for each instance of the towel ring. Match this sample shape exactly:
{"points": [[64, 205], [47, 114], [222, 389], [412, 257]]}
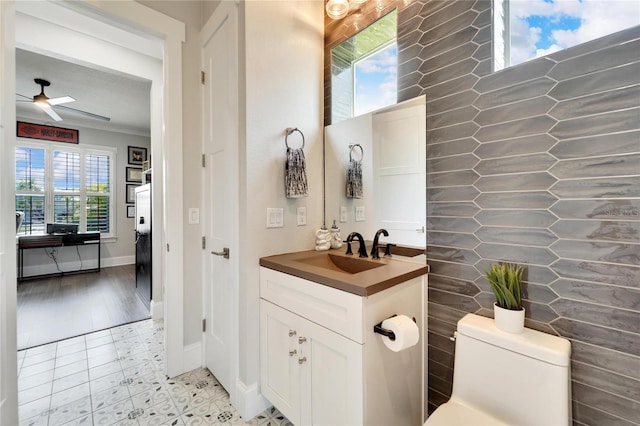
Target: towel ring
{"points": [[290, 130], [356, 145]]}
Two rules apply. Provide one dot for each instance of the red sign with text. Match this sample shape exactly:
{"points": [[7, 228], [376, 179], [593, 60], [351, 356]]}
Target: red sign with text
{"points": [[47, 133]]}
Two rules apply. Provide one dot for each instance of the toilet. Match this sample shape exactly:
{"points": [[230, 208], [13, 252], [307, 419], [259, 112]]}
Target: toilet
{"points": [[501, 378]]}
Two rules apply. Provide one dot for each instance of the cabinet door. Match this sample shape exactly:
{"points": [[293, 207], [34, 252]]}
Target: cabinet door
{"points": [[330, 378], [279, 371]]}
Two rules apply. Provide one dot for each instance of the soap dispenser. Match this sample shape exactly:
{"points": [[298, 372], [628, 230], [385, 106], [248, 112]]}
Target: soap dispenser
{"points": [[336, 239], [323, 239]]}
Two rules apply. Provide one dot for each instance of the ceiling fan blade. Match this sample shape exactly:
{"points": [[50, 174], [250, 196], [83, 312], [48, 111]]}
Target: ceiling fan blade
{"points": [[26, 97], [50, 112], [60, 100], [87, 113]]}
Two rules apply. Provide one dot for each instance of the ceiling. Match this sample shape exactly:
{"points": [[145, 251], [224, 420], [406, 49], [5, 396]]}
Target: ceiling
{"points": [[123, 98]]}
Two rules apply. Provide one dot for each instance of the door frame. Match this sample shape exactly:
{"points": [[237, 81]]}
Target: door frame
{"points": [[226, 10], [166, 134], [8, 290]]}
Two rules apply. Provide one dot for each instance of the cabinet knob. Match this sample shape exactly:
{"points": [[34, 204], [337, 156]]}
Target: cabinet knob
{"points": [[292, 333], [301, 340], [293, 352], [302, 360]]}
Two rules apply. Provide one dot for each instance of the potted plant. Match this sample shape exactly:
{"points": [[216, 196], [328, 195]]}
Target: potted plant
{"points": [[506, 283]]}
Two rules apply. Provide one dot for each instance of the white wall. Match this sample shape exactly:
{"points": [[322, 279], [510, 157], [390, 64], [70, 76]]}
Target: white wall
{"points": [[116, 251], [284, 60], [194, 15]]}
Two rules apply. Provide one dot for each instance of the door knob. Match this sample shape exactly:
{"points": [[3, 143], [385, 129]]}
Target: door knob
{"points": [[302, 360], [224, 253], [420, 230], [301, 340], [293, 352], [292, 333]]}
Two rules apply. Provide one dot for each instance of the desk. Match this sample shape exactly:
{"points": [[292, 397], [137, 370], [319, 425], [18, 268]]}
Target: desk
{"points": [[56, 240]]}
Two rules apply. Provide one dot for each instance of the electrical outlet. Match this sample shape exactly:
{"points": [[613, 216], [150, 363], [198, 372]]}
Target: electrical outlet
{"points": [[360, 214], [301, 214], [343, 214]]}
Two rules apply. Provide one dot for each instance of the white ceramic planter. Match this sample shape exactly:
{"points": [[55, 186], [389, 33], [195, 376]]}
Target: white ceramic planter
{"points": [[508, 320]]}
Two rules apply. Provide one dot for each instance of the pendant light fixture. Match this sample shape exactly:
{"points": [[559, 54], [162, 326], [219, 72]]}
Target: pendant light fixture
{"points": [[338, 9]]}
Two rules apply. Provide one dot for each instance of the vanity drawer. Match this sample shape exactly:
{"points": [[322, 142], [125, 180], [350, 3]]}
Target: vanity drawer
{"points": [[331, 308]]}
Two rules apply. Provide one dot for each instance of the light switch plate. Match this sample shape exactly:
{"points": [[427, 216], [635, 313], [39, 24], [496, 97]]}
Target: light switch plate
{"points": [[360, 214], [301, 215], [343, 214], [275, 218], [194, 216]]}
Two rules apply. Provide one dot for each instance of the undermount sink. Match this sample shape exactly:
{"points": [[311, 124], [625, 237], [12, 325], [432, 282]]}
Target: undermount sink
{"points": [[350, 265], [361, 276]]}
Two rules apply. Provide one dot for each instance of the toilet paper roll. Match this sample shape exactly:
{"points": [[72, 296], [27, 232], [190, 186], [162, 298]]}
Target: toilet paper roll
{"points": [[406, 331]]}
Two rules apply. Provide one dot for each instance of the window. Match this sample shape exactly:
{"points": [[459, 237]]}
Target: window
{"points": [[528, 29], [375, 79], [56, 183], [364, 70]]}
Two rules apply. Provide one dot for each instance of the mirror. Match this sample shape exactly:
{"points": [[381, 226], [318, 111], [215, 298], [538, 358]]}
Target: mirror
{"points": [[393, 164]]}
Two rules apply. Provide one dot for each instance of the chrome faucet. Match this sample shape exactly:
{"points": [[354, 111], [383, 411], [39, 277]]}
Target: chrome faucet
{"points": [[362, 250], [374, 249]]}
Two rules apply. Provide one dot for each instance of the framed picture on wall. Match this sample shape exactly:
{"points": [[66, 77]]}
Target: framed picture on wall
{"points": [[131, 211], [131, 193], [136, 155], [134, 174]]}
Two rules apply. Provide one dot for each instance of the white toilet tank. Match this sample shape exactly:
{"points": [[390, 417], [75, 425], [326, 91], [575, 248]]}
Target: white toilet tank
{"points": [[521, 379]]}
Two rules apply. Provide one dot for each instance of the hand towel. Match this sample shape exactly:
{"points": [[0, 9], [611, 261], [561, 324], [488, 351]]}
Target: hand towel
{"points": [[354, 179], [295, 176]]}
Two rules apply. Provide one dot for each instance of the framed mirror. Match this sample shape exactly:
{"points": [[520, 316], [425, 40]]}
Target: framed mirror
{"points": [[393, 165]]}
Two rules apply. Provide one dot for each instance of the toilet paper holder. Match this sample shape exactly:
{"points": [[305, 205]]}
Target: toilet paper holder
{"points": [[388, 333]]}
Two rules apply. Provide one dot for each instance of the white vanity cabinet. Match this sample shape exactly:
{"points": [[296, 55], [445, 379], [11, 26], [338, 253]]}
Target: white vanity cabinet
{"points": [[311, 374], [321, 363]]}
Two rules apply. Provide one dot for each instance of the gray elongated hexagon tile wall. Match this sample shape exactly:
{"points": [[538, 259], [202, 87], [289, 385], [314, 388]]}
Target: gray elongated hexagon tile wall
{"points": [[537, 164]]}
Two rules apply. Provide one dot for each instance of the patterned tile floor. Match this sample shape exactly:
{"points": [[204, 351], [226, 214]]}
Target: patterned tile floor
{"points": [[114, 377]]}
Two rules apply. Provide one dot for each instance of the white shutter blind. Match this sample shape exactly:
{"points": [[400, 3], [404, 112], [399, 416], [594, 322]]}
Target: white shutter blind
{"points": [[30, 188], [75, 182], [98, 190], [66, 187]]}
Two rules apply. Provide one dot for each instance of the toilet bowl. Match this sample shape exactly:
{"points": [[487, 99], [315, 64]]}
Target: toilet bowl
{"points": [[501, 378]]}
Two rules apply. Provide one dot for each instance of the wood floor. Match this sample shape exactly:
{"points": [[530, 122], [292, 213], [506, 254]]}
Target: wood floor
{"points": [[56, 308]]}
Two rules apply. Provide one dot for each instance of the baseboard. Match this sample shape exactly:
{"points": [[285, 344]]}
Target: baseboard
{"points": [[249, 401], [106, 262], [47, 266], [192, 357], [156, 309]]}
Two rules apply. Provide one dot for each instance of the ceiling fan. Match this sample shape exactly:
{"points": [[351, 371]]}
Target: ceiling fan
{"points": [[46, 103]]}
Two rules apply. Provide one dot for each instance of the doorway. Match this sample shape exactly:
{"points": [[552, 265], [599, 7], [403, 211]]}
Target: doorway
{"points": [[81, 282], [166, 125]]}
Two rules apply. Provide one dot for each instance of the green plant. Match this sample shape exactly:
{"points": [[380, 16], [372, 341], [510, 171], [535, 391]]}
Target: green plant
{"points": [[506, 283]]}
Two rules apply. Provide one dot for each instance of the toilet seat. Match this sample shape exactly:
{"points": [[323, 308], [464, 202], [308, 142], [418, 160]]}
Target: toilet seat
{"points": [[453, 413]]}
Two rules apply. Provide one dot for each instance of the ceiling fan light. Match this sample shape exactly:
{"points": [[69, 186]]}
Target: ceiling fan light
{"points": [[358, 1], [337, 9], [41, 100]]}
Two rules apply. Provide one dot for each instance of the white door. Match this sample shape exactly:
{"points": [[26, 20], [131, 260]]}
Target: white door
{"points": [[399, 174], [220, 186], [331, 377], [279, 368], [8, 374]]}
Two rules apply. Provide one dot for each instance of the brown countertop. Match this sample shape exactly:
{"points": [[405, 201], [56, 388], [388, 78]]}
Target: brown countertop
{"points": [[315, 266]]}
